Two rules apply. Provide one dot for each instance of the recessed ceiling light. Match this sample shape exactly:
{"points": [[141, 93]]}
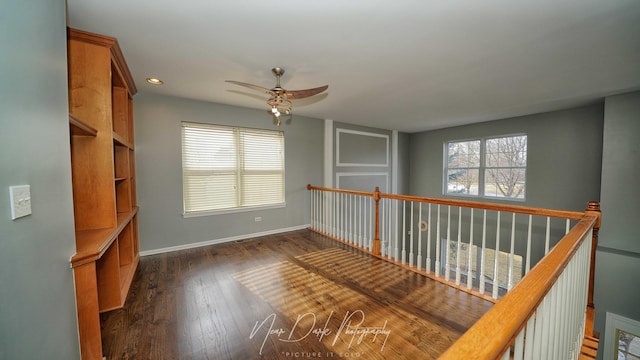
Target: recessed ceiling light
{"points": [[155, 81]]}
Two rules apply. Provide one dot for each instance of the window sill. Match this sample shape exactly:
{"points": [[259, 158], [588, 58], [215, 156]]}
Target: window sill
{"points": [[489, 198]]}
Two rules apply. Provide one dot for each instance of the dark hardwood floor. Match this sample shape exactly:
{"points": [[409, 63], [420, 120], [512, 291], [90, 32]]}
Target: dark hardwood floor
{"points": [[296, 295]]}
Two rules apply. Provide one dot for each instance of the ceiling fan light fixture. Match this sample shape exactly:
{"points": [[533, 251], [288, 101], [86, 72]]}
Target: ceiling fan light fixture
{"points": [[279, 105], [279, 102]]}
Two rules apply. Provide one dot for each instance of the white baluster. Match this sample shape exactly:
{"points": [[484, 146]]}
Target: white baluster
{"points": [[556, 314], [354, 238], [469, 253], [383, 248], [356, 220], [539, 339], [528, 264], [496, 259], [327, 212], [447, 245], [344, 216], [438, 243], [428, 267], [530, 338], [316, 205], [419, 259], [360, 221], [404, 233], [312, 204], [336, 214], [411, 239], [518, 348], [347, 217], [324, 212], [390, 227], [387, 227], [506, 355], [547, 236], [548, 323], [396, 228], [372, 222], [352, 226], [332, 219], [339, 215], [511, 252], [484, 244], [459, 246], [319, 210]]}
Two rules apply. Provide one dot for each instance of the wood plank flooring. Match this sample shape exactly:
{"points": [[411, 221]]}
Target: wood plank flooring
{"points": [[297, 295]]}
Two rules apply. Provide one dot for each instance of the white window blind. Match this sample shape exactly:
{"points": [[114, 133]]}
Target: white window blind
{"points": [[227, 168]]}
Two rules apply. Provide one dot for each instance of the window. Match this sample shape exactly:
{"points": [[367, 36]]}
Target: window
{"points": [[492, 167], [228, 168], [628, 345], [621, 338]]}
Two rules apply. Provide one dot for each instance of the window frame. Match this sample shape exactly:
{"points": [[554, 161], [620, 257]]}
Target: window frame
{"points": [[613, 323], [482, 168], [238, 171]]}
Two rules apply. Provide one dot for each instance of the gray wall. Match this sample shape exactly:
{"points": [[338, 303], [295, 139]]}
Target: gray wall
{"points": [[403, 163], [159, 172], [37, 303], [361, 158], [618, 257], [563, 164], [563, 169]]}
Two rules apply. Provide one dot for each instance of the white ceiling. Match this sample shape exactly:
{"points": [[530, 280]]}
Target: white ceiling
{"points": [[405, 65]]}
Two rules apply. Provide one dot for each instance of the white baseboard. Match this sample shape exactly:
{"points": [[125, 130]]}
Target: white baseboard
{"points": [[220, 241]]}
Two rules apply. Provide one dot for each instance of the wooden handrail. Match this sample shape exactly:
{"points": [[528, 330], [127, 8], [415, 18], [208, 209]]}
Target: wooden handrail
{"points": [[342, 191], [505, 319], [574, 215]]}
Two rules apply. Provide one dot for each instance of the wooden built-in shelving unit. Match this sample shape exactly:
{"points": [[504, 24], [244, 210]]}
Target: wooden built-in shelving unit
{"points": [[103, 173]]}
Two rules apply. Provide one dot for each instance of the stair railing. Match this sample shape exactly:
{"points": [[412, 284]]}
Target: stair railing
{"points": [[489, 250]]}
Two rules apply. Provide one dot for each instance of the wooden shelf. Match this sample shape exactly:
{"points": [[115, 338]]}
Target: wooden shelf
{"points": [[126, 277], [80, 128], [92, 244], [120, 140]]}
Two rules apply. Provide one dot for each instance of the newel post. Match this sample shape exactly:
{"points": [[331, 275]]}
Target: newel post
{"points": [[376, 240], [592, 209]]}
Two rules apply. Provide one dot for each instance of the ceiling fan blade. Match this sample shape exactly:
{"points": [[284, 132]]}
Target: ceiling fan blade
{"points": [[299, 94], [251, 86]]}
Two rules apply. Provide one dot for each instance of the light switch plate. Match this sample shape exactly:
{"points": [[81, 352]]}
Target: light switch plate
{"points": [[20, 197]]}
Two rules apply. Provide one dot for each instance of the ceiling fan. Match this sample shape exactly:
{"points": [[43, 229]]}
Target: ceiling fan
{"points": [[280, 100]]}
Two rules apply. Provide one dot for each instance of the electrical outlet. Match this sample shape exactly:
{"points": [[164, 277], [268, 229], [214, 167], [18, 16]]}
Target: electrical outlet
{"points": [[257, 219], [20, 197]]}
